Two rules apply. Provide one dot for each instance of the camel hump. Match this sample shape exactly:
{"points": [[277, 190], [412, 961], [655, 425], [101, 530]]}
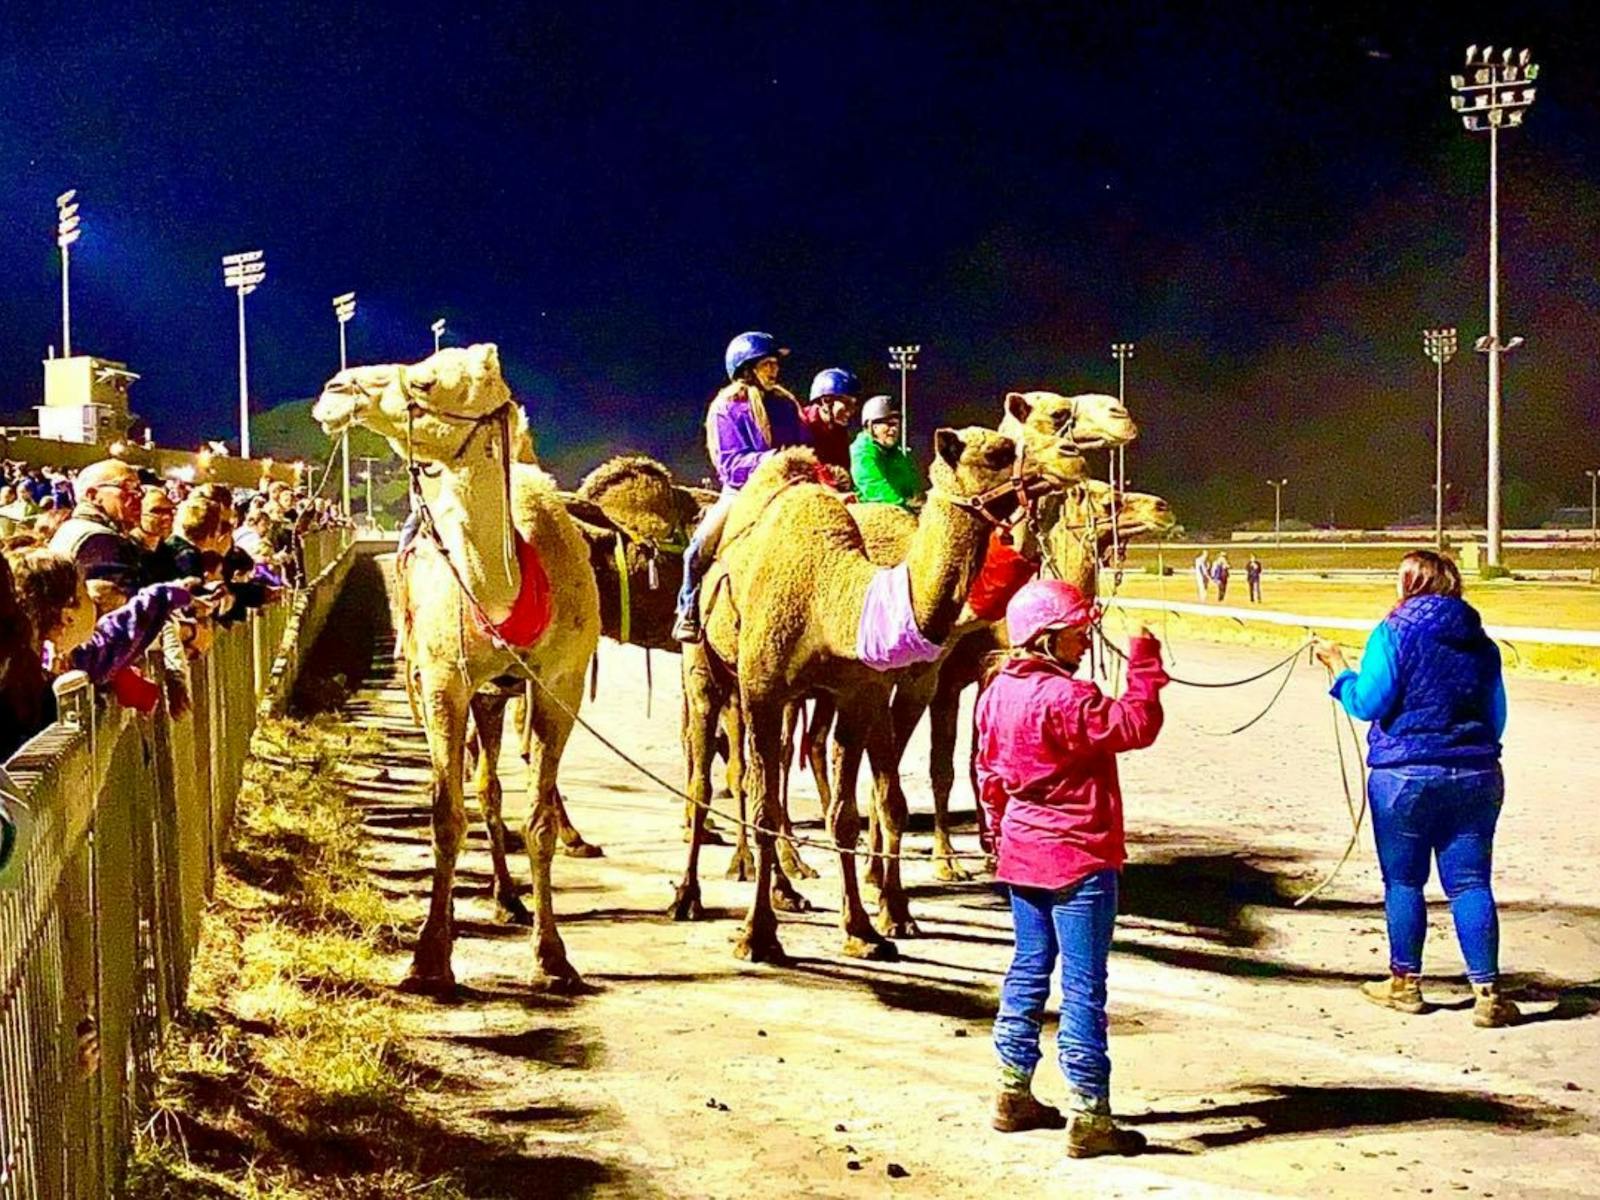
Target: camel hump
{"points": [[792, 464], [638, 495]]}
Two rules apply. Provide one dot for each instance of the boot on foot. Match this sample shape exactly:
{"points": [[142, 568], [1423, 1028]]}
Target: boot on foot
{"points": [[1491, 1010], [1093, 1134], [1018, 1111], [1403, 993]]}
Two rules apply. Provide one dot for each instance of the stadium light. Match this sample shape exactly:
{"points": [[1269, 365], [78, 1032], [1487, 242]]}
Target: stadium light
{"points": [[1594, 508], [1277, 486], [1122, 352], [344, 307], [438, 333], [904, 360], [1491, 96], [68, 230], [1440, 346], [244, 273]]}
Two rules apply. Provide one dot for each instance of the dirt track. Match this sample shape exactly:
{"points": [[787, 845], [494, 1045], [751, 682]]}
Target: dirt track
{"points": [[1240, 1045]]}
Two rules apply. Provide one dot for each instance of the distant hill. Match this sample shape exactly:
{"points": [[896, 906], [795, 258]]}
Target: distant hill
{"points": [[288, 433]]}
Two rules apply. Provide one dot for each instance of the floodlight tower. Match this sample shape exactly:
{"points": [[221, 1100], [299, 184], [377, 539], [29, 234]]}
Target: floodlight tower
{"points": [[1495, 96], [344, 307], [1594, 508], [67, 232], [1277, 486], [1122, 351], [904, 360], [1440, 346], [244, 273], [438, 333], [366, 473]]}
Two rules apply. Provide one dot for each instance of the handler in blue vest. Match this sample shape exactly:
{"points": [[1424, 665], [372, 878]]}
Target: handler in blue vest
{"points": [[1430, 684]]}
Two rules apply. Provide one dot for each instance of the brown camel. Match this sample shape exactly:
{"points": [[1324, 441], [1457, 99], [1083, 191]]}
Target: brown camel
{"points": [[782, 609], [453, 418]]}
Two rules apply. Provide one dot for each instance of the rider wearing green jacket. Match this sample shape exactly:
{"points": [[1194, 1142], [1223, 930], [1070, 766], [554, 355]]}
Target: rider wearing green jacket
{"points": [[882, 471]]}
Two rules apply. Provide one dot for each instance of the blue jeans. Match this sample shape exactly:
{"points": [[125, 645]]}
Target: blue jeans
{"points": [[702, 549], [1421, 813], [1075, 925]]}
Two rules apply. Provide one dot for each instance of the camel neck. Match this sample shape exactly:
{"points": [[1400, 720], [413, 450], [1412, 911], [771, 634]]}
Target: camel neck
{"points": [[946, 553], [473, 515]]}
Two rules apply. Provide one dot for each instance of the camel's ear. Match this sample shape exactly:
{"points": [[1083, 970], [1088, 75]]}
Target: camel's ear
{"points": [[485, 359], [947, 444], [1017, 406]]}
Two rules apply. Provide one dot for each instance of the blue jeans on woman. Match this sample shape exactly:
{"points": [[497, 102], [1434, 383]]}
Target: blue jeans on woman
{"points": [[1420, 813], [1075, 925]]}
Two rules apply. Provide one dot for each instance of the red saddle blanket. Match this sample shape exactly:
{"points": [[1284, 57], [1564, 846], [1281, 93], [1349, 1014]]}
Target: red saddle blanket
{"points": [[1002, 575], [530, 613]]}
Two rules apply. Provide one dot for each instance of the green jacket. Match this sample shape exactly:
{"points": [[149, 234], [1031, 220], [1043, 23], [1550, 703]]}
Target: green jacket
{"points": [[883, 476]]}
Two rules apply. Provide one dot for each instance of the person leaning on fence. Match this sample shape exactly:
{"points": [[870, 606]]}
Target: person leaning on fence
{"points": [[98, 535], [1430, 683], [1047, 779]]}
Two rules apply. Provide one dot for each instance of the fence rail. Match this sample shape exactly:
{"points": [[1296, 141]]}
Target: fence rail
{"points": [[130, 816]]}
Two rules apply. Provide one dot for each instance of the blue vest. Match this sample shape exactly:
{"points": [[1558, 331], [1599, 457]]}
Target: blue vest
{"points": [[1446, 677]]}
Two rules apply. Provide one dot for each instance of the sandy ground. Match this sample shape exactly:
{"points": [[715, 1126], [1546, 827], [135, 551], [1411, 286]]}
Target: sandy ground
{"points": [[1240, 1045]]}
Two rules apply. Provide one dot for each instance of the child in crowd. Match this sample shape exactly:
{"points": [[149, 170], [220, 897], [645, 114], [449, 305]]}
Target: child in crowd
{"points": [[1047, 779]]}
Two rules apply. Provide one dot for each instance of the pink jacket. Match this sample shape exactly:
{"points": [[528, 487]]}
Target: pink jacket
{"points": [[1047, 765]]}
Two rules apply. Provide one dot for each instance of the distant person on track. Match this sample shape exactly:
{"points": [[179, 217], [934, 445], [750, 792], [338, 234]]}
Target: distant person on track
{"points": [[1252, 576], [750, 418], [1430, 683], [1220, 571], [1202, 578], [1047, 779]]}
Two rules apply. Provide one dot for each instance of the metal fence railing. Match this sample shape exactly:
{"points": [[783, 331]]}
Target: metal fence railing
{"points": [[130, 816]]}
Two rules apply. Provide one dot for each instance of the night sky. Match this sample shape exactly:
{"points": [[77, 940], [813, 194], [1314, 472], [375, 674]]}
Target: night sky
{"points": [[1271, 203]]}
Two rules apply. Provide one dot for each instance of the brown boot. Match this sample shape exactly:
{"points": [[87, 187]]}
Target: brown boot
{"points": [[1403, 993], [1018, 1111], [1093, 1134], [1491, 1010]]}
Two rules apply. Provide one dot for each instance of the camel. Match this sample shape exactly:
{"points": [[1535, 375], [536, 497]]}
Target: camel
{"points": [[782, 609], [453, 418]]}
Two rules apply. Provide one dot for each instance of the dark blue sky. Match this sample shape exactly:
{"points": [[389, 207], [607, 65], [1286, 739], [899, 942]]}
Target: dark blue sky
{"points": [[1271, 204]]}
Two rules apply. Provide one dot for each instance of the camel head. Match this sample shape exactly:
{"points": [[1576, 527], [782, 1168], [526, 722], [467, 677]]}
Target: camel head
{"points": [[1081, 523], [431, 405], [638, 495], [969, 462], [1054, 430]]}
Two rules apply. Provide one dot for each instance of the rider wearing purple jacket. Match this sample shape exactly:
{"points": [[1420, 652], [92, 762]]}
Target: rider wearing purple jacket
{"points": [[749, 419]]}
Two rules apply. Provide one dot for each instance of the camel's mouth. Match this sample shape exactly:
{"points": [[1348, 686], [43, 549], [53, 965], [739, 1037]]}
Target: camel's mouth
{"points": [[335, 409]]}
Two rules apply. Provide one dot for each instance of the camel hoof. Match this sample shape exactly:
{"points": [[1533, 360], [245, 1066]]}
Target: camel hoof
{"points": [[790, 901], [743, 866], [512, 911], [945, 869], [796, 867], [874, 949], [566, 982], [896, 927], [708, 837], [686, 905], [759, 948], [582, 849], [440, 987]]}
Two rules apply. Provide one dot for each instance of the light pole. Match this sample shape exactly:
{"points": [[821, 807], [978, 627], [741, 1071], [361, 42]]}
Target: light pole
{"points": [[344, 307], [1495, 96], [243, 273], [366, 473], [1594, 509], [1277, 486], [67, 232], [1123, 351], [904, 360], [1440, 346], [438, 333]]}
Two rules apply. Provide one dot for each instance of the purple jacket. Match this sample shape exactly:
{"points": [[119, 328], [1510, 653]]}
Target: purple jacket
{"points": [[734, 439], [127, 632]]}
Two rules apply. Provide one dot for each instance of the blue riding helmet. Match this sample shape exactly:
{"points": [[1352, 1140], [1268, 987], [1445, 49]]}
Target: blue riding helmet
{"points": [[748, 348], [835, 381]]}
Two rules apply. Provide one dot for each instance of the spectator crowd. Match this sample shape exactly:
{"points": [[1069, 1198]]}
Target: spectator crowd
{"points": [[99, 566]]}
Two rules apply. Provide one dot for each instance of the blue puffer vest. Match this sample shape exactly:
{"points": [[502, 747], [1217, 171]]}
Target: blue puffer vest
{"points": [[1447, 672]]}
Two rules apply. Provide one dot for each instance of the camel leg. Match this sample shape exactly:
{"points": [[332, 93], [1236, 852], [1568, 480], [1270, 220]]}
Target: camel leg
{"points": [[742, 865], [703, 702], [889, 807], [445, 702], [758, 940], [572, 843], [551, 728], [861, 940], [794, 867], [488, 723], [944, 717]]}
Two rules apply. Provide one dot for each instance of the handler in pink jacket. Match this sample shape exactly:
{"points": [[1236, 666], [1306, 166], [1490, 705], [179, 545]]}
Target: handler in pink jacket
{"points": [[1047, 780]]}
